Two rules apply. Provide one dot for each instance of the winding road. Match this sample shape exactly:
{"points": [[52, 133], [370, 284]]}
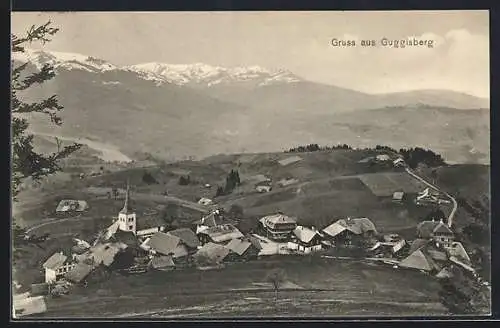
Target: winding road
{"points": [[453, 200]]}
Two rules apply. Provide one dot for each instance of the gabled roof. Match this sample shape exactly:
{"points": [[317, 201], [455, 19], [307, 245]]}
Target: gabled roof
{"points": [[417, 260], [111, 230], [211, 220], [167, 244], [79, 272], [55, 261], [278, 219], [150, 221], [305, 234], [417, 244], [105, 253], [239, 246], [442, 228], [215, 252], [66, 205], [357, 226], [458, 251], [162, 262], [126, 237], [222, 233], [187, 236]]}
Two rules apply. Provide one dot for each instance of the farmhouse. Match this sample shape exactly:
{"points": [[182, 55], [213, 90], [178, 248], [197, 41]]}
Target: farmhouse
{"points": [[351, 231], [305, 240], [211, 254], [398, 196], [57, 266], [263, 187], [79, 272], [164, 244], [71, 205], [278, 226], [187, 237], [220, 234], [211, 220], [421, 261], [457, 250], [242, 249], [205, 201], [383, 158], [437, 231], [392, 245], [398, 162]]}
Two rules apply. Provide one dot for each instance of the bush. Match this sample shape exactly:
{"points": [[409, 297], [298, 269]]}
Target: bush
{"points": [[148, 178], [184, 181]]}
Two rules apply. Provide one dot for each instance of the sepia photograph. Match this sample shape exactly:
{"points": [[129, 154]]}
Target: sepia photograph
{"points": [[250, 164]]}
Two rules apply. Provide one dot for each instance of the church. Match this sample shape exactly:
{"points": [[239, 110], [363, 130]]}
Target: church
{"points": [[127, 221]]}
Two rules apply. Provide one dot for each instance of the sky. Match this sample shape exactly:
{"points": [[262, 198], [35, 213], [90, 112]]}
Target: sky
{"points": [[297, 41]]}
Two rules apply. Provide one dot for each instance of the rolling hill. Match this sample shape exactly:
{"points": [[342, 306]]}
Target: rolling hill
{"points": [[176, 111]]}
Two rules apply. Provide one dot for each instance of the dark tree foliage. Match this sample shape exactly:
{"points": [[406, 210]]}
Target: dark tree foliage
{"points": [[316, 147], [25, 161], [232, 180], [436, 214], [148, 178], [415, 156], [184, 180], [219, 192], [235, 211]]}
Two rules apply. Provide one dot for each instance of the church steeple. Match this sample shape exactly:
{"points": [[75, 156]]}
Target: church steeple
{"points": [[126, 206]]}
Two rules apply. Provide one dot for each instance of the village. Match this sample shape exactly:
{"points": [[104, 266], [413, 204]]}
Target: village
{"points": [[135, 245]]}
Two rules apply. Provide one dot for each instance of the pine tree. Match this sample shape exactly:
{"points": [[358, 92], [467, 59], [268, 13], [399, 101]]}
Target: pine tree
{"points": [[25, 161]]}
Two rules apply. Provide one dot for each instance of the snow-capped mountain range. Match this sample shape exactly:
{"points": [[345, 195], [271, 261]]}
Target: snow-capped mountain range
{"points": [[179, 74]]}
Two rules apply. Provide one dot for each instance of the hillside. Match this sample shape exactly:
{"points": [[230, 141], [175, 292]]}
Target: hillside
{"points": [[171, 111]]}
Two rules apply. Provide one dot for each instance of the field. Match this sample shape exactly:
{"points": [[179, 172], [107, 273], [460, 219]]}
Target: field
{"points": [[385, 184], [319, 287]]}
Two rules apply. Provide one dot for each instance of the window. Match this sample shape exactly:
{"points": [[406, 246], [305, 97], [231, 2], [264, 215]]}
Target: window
{"points": [[130, 227], [130, 219]]}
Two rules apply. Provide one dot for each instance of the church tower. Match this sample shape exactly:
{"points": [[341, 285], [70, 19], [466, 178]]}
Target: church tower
{"points": [[127, 218]]}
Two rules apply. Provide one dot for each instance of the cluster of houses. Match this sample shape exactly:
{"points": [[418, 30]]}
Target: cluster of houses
{"points": [[214, 241]]}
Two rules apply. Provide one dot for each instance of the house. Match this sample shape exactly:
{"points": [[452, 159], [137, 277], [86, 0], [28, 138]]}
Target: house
{"points": [[383, 158], [164, 244], [305, 240], [427, 196], [205, 201], [219, 234], [56, 266], [262, 188], [278, 227], [392, 245], [187, 237], [437, 231], [71, 205], [148, 225], [398, 162], [242, 249], [211, 254], [211, 220], [351, 231], [457, 250], [81, 271], [398, 196]]}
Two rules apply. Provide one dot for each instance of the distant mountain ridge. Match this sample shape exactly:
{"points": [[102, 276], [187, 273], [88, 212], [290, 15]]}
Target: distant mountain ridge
{"points": [[173, 111]]}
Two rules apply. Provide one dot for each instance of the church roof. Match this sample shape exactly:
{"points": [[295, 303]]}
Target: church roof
{"points": [[126, 206]]}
